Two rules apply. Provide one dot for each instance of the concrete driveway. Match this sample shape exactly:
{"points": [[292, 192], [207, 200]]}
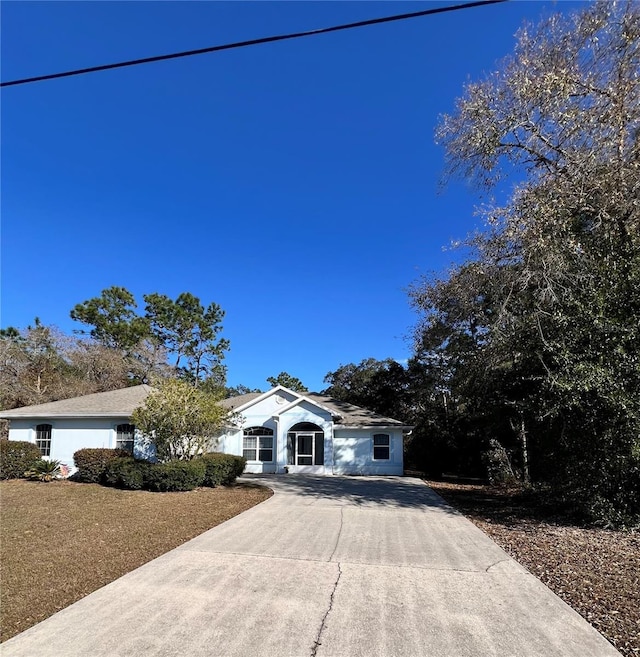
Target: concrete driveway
{"points": [[336, 566]]}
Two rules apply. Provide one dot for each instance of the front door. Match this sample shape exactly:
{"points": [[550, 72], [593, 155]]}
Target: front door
{"points": [[304, 449]]}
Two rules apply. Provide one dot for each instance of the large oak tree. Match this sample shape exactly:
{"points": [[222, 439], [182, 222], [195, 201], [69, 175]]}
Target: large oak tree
{"points": [[540, 329]]}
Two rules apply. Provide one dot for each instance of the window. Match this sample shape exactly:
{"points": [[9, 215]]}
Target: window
{"points": [[43, 439], [265, 451], [257, 444], [125, 434], [381, 447]]}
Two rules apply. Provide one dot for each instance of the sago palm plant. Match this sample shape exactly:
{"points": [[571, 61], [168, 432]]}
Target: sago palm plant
{"points": [[44, 471]]}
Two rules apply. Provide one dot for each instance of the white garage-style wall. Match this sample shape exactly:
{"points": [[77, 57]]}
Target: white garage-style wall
{"points": [[354, 452]]}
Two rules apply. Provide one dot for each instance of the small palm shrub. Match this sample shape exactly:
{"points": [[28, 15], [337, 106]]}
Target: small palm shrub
{"points": [[44, 471], [16, 457]]}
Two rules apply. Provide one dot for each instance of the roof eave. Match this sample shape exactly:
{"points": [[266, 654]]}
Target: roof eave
{"points": [[404, 427], [64, 416]]}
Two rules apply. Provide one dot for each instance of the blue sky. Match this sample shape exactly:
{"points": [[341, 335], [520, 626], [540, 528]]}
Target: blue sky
{"points": [[296, 184]]}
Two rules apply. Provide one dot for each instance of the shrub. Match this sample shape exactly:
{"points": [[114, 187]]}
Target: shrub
{"points": [[126, 472], [499, 469], [43, 470], [16, 457], [176, 475], [92, 462], [217, 469], [239, 464], [222, 469]]}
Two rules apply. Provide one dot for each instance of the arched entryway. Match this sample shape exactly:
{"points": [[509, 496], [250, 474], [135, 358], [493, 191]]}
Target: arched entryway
{"points": [[305, 445]]}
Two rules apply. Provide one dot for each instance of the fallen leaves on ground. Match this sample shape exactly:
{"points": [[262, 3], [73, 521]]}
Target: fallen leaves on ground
{"points": [[595, 571]]}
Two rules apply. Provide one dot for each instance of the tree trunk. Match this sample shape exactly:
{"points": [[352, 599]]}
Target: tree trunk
{"points": [[525, 453]]}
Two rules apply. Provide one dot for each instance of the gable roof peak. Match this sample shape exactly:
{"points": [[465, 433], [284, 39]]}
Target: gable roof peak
{"points": [[253, 398]]}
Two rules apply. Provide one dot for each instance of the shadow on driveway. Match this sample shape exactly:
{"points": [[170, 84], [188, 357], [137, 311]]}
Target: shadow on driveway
{"points": [[371, 491]]}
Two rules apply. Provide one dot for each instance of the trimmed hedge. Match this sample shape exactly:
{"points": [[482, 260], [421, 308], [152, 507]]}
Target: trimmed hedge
{"points": [[93, 461], [222, 469], [117, 468], [175, 476], [126, 472], [16, 457], [239, 465]]}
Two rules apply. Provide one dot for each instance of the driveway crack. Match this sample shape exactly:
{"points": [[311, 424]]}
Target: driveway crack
{"points": [[335, 547], [488, 568], [317, 643]]}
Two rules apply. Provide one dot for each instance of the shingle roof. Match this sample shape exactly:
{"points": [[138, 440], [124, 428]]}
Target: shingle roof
{"points": [[121, 403], [115, 403], [350, 415], [353, 415], [239, 400]]}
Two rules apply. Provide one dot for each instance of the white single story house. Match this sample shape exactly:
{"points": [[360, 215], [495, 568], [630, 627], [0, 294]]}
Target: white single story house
{"points": [[276, 431]]}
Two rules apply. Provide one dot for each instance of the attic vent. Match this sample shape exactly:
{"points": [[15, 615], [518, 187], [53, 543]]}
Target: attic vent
{"points": [[280, 399]]}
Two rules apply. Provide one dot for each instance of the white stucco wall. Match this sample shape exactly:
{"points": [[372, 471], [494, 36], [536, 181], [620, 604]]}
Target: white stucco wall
{"points": [[70, 435], [353, 452], [305, 412], [268, 413], [346, 451]]}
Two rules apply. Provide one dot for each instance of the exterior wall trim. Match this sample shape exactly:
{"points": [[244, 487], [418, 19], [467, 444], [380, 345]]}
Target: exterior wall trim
{"points": [[376, 427], [263, 396]]}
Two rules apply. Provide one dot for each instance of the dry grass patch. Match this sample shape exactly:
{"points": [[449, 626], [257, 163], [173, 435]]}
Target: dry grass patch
{"points": [[596, 571], [62, 540]]}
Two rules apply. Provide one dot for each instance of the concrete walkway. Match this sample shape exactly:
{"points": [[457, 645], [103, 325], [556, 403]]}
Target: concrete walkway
{"points": [[329, 566]]}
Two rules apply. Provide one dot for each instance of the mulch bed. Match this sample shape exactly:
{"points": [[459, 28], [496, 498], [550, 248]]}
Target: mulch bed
{"points": [[60, 541], [595, 571]]}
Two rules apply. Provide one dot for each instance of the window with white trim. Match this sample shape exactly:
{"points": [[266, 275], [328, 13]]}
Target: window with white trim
{"points": [[125, 435], [43, 439], [381, 447], [257, 444]]}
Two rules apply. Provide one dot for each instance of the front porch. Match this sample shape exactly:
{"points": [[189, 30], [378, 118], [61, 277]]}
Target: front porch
{"points": [[303, 451]]}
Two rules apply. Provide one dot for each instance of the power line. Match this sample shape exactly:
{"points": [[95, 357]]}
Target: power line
{"points": [[251, 42]]}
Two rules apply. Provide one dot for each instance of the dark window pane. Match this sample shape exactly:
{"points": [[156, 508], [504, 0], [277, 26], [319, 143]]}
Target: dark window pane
{"points": [[127, 445], [265, 455], [266, 442], [381, 453], [381, 439], [43, 439], [319, 456], [291, 448], [305, 460], [258, 431], [125, 437], [305, 444], [304, 427], [249, 454]]}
